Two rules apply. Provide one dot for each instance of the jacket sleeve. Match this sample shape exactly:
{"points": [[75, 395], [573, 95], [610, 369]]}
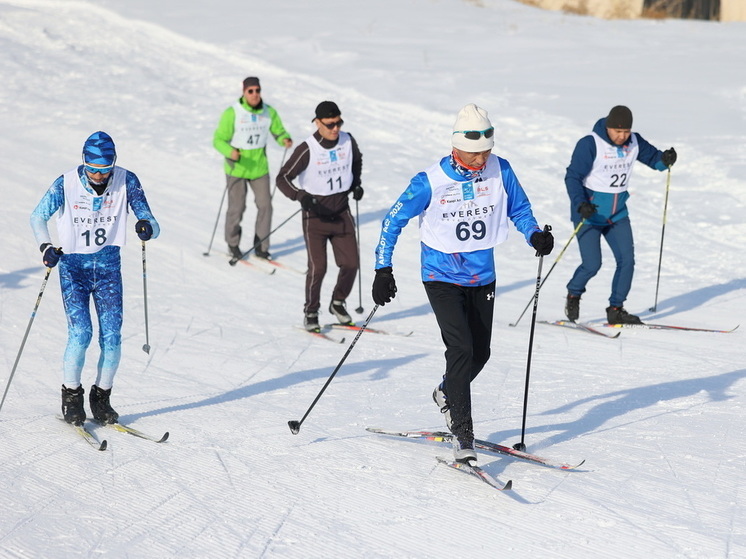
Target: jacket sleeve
{"points": [[139, 204], [276, 127], [224, 132], [293, 167], [53, 200], [649, 154], [519, 206], [357, 163], [580, 167], [413, 201]]}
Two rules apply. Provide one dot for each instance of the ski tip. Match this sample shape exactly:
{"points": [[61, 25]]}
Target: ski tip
{"points": [[103, 445], [164, 438], [508, 486]]}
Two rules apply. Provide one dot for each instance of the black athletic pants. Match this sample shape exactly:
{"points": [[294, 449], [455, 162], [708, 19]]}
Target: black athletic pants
{"points": [[464, 315]]}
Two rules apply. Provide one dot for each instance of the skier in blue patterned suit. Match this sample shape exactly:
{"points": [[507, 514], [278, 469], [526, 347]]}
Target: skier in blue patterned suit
{"points": [[463, 203], [597, 180], [91, 202]]}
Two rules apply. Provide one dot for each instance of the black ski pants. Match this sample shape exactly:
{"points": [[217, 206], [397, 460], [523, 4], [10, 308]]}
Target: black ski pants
{"points": [[464, 315]]}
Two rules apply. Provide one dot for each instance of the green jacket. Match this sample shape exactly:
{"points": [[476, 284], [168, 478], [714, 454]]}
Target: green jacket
{"points": [[252, 163]]}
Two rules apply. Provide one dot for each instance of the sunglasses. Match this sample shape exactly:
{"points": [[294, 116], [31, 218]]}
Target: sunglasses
{"points": [[333, 125], [476, 134], [103, 170], [255, 90]]}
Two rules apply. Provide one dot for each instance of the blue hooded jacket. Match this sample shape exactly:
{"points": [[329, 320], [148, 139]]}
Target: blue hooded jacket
{"points": [[611, 207]]}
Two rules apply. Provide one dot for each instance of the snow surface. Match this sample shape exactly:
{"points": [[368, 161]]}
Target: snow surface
{"points": [[658, 416]]}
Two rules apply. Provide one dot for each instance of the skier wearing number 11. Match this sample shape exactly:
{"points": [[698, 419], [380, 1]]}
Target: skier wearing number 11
{"points": [[463, 203], [91, 202]]}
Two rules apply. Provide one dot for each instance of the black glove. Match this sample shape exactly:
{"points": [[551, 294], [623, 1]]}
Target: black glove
{"points": [[50, 255], [543, 242], [357, 193], [144, 230], [586, 209], [309, 202], [668, 158], [384, 286]]}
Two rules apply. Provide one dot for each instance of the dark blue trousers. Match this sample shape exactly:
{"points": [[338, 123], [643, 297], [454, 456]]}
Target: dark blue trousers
{"points": [[619, 238]]}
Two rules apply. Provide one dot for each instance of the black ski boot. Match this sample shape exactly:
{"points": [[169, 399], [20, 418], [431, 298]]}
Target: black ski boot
{"points": [[618, 315], [72, 405], [100, 406], [572, 307]]}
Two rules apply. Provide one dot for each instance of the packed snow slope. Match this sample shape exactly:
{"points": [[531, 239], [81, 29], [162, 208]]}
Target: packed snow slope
{"points": [[658, 416]]}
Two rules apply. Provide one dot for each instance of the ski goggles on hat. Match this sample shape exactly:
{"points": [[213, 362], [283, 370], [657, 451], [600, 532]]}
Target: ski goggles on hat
{"points": [[97, 168], [476, 134]]}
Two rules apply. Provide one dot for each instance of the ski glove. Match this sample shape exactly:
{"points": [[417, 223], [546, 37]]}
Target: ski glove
{"points": [[357, 193], [309, 202], [543, 242], [144, 230], [669, 157], [384, 286], [51, 255], [586, 209]]}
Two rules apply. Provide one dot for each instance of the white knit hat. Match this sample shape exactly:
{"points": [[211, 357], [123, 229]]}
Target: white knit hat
{"points": [[472, 119]]}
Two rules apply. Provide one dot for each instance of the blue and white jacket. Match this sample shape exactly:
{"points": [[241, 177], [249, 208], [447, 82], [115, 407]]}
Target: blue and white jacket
{"points": [[474, 268], [611, 206]]}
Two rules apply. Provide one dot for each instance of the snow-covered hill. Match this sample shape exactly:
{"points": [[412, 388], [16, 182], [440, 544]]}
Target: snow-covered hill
{"points": [[657, 415]]}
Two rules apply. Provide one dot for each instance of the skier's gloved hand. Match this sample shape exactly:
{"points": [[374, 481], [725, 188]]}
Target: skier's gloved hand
{"points": [[357, 193], [384, 286], [144, 230], [309, 203], [50, 255], [586, 209], [669, 157], [543, 242]]}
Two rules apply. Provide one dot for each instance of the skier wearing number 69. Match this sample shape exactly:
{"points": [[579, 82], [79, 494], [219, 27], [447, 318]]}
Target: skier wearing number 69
{"points": [[597, 180], [463, 203], [91, 202]]}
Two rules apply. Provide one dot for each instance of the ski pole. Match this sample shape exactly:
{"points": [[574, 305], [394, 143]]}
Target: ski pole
{"points": [[146, 346], [233, 260], [217, 219], [25, 336], [521, 445], [360, 308], [559, 256], [294, 424], [663, 230], [274, 187]]}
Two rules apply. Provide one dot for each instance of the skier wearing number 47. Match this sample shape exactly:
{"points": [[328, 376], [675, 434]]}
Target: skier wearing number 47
{"points": [[91, 202], [463, 203], [597, 180]]}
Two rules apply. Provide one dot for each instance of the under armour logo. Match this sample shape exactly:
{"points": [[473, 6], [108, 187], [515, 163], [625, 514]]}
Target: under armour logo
{"points": [[490, 296]]}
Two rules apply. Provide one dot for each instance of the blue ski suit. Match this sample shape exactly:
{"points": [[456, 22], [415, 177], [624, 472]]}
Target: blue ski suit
{"points": [[97, 275]]}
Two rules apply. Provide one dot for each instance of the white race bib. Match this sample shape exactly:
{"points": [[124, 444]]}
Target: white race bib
{"points": [[250, 130], [329, 171], [612, 167], [464, 216], [88, 222]]}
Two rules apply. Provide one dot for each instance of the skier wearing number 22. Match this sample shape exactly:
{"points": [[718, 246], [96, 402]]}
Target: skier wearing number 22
{"points": [[463, 203], [91, 202]]}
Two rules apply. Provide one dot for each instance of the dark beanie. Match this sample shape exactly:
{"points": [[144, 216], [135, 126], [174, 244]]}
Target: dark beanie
{"points": [[619, 117], [251, 81], [327, 109]]}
